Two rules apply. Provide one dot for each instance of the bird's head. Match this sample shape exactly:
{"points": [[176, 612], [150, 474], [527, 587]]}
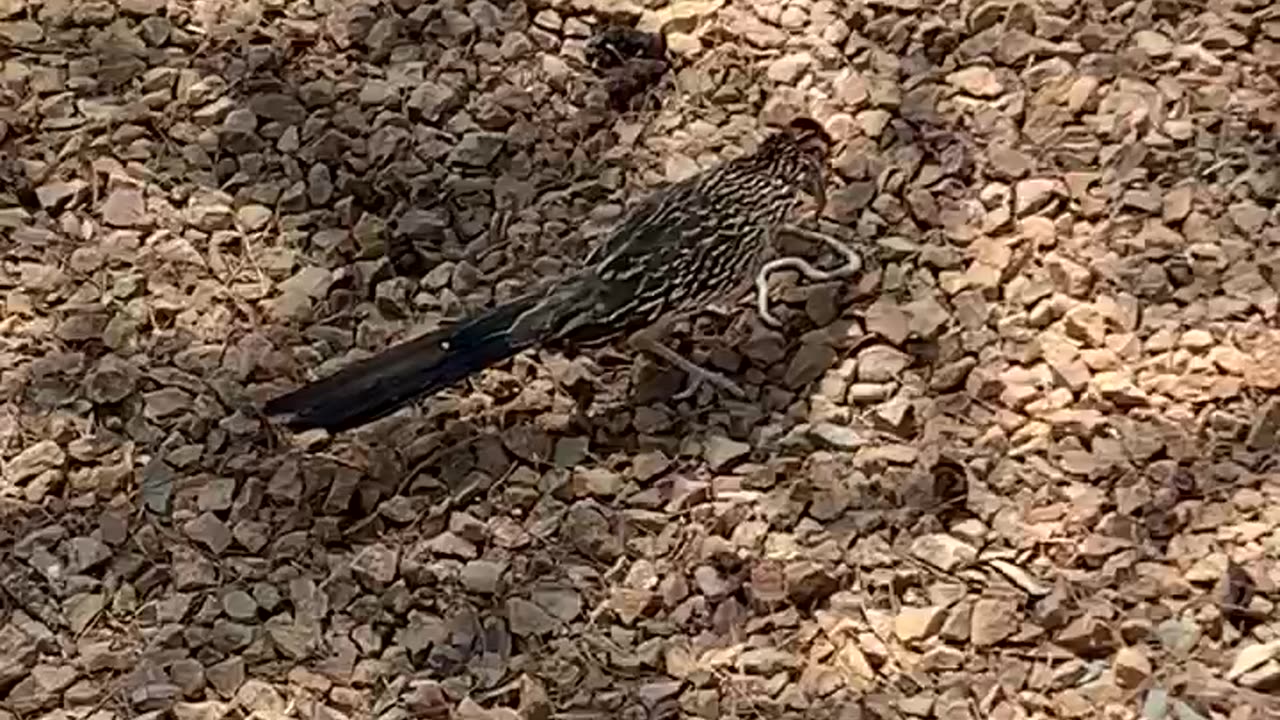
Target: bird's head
{"points": [[809, 137], [799, 153]]}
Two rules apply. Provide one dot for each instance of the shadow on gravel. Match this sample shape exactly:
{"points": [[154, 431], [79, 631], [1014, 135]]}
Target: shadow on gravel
{"points": [[159, 181]]}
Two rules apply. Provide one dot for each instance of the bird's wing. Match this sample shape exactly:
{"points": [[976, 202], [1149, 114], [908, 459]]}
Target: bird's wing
{"points": [[659, 221]]}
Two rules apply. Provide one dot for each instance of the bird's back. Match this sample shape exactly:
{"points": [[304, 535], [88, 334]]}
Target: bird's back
{"points": [[685, 245]]}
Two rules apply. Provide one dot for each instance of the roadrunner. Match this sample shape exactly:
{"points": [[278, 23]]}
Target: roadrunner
{"points": [[683, 248]]}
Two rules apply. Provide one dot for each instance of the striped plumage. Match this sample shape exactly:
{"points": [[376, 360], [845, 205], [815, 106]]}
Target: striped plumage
{"points": [[685, 246]]}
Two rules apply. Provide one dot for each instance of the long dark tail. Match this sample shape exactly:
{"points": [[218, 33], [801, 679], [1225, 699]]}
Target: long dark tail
{"points": [[378, 386]]}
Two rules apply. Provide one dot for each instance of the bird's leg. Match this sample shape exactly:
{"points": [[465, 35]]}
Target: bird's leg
{"points": [[648, 340], [853, 264]]}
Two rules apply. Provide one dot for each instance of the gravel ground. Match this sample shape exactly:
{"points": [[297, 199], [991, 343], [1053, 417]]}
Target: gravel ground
{"points": [[1025, 465]]}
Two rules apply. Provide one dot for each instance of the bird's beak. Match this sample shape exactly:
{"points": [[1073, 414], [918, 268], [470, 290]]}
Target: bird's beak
{"points": [[819, 190]]}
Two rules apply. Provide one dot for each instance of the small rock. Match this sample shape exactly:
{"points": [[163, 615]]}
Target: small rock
{"points": [[202, 710], [943, 551], [1009, 163], [1087, 636], [81, 609], [432, 100], [711, 583], [449, 544], [1118, 387], [720, 452], [87, 552], [260, 699], [788, 68], [377, 93], [1264, 434], [526, 618], [851, 89], [125, 207], [1248, 216], [1131, 666], [992, 620], [840, 437], [888, 320], [483, 576], [92, 12], [165, 402], [1196, 339], [110, 381], [1034, 195], [42, 456], [209, 217], [873, 122], [375, 566], [881, 363], [648, 465], [977, 80], [239, 605], [477, 149], [599, 481], [767, 661], [1153, 43], [282, 108], [216, 495], [1253, 656], [319, 185], [808, 363], [53, 195], [1068, 276], [310, 281], [225, 677], [207, 529], [629, 604], [913, 624], [142, 8], [21, 32], [253, 217], [53, 679], [765, 347], [808, 583], [1176, 204]]}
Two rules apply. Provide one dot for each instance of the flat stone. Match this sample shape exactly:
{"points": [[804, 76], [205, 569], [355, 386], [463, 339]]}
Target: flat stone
{"points": [[788, 68], [992, 620], [477, 149], [1154, 44], [1132, 667], [943, 551], [42, 456], [53, 195], [125, 207], [1033, 195], [977, 80], [526, 618], [21, 32], [253, 217], [720, 452], [913, 624], [209, 530], [483, 576]]}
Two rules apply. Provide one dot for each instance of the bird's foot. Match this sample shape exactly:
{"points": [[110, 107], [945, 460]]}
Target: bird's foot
{"points": [[852, 265], [697, 374]]}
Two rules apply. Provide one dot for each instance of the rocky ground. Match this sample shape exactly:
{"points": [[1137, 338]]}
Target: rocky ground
{"points": [[1024, 466]]}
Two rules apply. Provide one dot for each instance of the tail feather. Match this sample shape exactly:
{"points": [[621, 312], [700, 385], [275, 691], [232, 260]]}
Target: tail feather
{"points": [[378, 386]]}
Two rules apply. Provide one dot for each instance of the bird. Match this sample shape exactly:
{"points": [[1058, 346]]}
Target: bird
{"points": [[630, 61], [616, 45], [679, 250]]}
